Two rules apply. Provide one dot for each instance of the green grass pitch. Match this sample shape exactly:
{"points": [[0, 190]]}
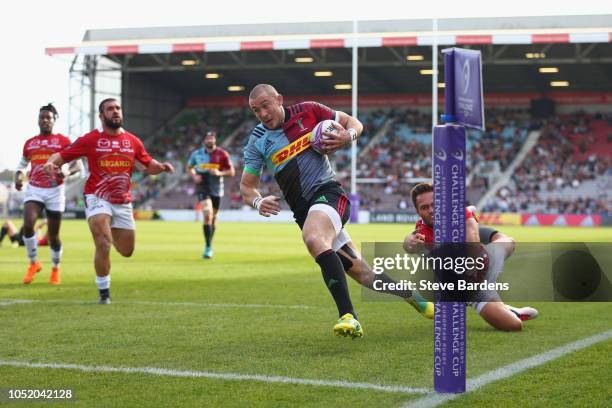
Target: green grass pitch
{"points": [[260, 308]]}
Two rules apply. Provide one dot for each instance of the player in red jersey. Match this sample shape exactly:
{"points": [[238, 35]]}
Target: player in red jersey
{"points": [[43, 192], [498, 247], [112, 152]]}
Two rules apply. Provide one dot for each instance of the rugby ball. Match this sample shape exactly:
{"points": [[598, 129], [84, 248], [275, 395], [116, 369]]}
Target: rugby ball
{"points": [[317, 136]]}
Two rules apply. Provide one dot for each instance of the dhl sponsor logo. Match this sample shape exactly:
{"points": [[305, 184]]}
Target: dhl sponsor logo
{"points": [[115, 163], [291, 150], [208, 166]]}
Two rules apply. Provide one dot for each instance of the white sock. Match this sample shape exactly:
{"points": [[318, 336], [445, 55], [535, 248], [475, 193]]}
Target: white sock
{"points": [[56, 257], [103, 282], [32, 247]]}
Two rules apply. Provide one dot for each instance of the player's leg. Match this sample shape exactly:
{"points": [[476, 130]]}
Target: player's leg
{"points": [[31, 212], [322, 225], [54, 220], [99, 225], [123, 229], [360, 271], [7, 229], [207, 214], [498, 316], [216, 203]]}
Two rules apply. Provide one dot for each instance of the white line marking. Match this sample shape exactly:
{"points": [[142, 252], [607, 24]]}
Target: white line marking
{"points": [[433, 399], [9, 302], [219, 376]]}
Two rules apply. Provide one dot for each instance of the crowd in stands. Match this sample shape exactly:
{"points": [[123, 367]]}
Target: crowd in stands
{"points": [[572, 151], [395, 152]]}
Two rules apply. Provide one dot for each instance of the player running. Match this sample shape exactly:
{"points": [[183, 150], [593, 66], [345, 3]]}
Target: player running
{"points": [[498, 247], [43, 192], [112, 153], [208, 165], [319, 204]]}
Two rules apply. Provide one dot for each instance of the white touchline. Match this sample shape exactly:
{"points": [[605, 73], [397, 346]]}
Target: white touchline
{"points": [[9, 302], [434, 399], [219, 376]]}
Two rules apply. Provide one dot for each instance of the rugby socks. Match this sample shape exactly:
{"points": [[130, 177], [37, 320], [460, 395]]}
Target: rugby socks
{"points": [[103, 283], [208, 232], [32, 247], [335, 280], [56, 255], [386, 281], [3, 232], [213, 228]]}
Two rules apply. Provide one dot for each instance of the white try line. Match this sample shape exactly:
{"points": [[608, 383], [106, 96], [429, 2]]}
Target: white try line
{"points": [[219, 376], [434, 399], [10, 302]]}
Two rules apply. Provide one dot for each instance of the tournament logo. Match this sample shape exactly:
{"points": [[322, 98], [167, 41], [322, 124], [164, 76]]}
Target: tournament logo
{"points": [[35, 143], [115, 163], [458, 155], [104, 143], [466, 76], [441, 154], [126, 143], [54, 141]]}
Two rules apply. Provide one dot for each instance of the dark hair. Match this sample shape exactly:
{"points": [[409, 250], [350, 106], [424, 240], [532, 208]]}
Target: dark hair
{"points": [[101, 105], [419, 189], [49, 107]]}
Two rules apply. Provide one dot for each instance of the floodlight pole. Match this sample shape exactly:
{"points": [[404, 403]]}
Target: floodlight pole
{"points": [[354, 111]]}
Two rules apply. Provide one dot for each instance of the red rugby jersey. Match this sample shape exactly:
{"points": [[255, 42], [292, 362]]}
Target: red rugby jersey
{"points": [[37, 150], [111, 162]]}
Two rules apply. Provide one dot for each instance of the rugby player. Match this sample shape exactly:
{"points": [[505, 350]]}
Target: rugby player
{"points": [[112, 152], [208, 165], [44, 192], [498, 246], [319, 204]]}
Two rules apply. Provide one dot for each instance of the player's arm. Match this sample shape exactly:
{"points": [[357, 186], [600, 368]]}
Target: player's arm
{"points": [[414, 242], [53, 164], [20, 172], [228, 168], [266, 206], [154, 167], [350, 130], [471, 230]]}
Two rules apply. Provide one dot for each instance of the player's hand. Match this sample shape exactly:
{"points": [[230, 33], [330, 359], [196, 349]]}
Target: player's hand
{"points": [[270, 205], [51, 169], [336, 139], [215, 172], [197, 178], [414, 242], [18, 184], [167, 167]]}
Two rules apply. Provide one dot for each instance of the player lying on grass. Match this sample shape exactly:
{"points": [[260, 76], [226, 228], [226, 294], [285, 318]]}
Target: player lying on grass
{"points": [[498, 246], [319, 204], [16, 235]]}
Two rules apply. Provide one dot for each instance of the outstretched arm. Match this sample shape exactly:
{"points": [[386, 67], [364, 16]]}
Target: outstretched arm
{"points": [[154, 167]]}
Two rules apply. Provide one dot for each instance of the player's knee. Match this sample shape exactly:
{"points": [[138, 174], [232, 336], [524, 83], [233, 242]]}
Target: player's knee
{"points": [[126, 252], [103, 244], [315, 243], [514, 326]]}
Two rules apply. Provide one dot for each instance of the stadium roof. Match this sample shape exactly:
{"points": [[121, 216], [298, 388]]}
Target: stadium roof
{"points": [[579, 46]]}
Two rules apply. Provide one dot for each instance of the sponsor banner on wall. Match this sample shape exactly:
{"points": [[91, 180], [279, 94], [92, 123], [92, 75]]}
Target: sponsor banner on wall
{"points": [[561, 220], [393, 217], [496, 218]]}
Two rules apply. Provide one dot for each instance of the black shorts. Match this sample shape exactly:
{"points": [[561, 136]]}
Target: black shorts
{"points": [[486, 233], [331, 194], [216, 200]]}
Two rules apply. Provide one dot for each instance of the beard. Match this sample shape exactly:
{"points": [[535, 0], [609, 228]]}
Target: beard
{"points": [[113, 123]]}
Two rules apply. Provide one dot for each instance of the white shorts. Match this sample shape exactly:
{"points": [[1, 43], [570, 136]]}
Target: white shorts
{"points": [[497, 256], [122, 215], [53, 198], [342, 237]]}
